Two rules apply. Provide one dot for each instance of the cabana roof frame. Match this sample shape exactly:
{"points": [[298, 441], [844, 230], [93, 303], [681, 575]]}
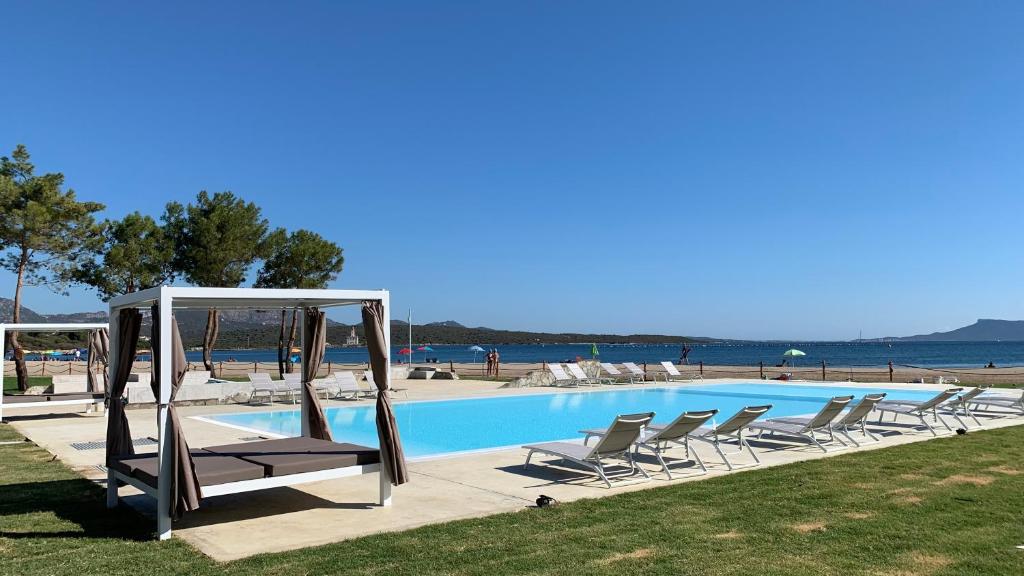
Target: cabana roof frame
{"points": [[170, 298]]}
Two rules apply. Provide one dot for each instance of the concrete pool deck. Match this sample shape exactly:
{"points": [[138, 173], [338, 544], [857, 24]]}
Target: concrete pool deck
{"points": [[441, 489]]}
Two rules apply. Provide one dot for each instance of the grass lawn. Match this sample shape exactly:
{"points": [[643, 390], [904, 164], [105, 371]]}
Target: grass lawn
{"points": [[953, 506], [11, 382]]}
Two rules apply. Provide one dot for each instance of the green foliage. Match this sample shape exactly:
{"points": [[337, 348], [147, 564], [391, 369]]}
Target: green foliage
{"points": [[303, 259], [136, 255], [216, 239], [45, 231]]}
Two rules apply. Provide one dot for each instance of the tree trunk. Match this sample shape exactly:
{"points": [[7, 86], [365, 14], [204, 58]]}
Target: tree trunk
{"points": [[210, 338], [291, 341], [281, 356], [19, 355]]}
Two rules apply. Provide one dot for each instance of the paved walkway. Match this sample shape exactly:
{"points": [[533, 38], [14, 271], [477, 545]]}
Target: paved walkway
{"points": [[441, 489]]}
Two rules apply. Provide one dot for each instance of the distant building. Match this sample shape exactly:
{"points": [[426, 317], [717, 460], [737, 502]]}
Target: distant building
{"points": [[352, 339]]}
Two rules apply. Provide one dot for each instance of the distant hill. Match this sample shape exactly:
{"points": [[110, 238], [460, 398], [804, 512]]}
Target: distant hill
{"points": [[984, 330], [259, 329]]}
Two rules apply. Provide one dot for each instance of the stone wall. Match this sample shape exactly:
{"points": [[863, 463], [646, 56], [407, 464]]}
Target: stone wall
{"points": [[591, 368]]}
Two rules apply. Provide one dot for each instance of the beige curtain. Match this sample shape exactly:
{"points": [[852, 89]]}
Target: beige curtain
{"points": [[99, 352], [185, 489], [314, 344], [119, 435], [392, 458]]}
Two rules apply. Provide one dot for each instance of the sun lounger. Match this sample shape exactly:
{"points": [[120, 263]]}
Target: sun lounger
{"points": [[561, 377], [577, 372], [635, 370], [962, 402], [993, 399], [235, 468], [853, 419], [34, 401], [372, 385], [262, 385], [731, 429], [674, 375], [820, 422], [617, 442], [920, 409], [348, 388], [615, 376], [658, 439]]}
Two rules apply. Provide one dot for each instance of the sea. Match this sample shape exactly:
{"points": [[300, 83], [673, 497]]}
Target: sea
{"points": [[864, 354]]}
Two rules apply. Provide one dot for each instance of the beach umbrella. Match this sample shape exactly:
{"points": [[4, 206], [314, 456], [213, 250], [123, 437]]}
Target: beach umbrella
{"points": [[475, 350], [425, 349], [593, 351], [792, 353]]}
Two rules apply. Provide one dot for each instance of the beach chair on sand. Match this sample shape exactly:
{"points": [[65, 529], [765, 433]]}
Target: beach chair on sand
{"points": [[576, 371], [921, 409], [855, 419], [561, 377], [672, 374], [348, 387], [615, 376], [820, 422], [638, 374], [732, 429], [658, 439], [991, 400], [617, 442], [262, 385]]}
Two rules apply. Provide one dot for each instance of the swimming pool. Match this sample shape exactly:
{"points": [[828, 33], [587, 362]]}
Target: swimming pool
{"points": [[433, 428]]}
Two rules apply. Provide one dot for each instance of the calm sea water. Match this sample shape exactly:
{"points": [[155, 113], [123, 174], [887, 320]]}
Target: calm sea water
{"points": [[932, 354]]}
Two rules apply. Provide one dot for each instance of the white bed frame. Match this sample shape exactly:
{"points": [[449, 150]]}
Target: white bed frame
{"points": [[170, 298], [26, 327]]}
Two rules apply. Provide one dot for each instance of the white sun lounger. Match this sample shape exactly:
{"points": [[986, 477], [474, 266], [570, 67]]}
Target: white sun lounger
{"points": [[263, 385], [635, 370], [853, 419], [658, 439], [372, 385], [616, 443], [671, 372], [561, 377], [615, 375], [993, 399], [348, 388], [577, 372], [820, 422], [731, 429], [921, 409]]}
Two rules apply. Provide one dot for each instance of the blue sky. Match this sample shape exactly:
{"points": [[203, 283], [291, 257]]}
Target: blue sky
{"points": [[742, 169]]}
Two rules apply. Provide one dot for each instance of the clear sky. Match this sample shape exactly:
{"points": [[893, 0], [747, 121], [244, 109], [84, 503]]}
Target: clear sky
{"points": [[735, 169]]}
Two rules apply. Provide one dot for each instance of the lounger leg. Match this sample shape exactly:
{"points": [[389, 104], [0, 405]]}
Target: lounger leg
{"points": [[751, 450], [722, 454], [698, 460], [528, 456], [599, 468], [111, 489], [634, 466], [846, 433], [924, 420], [385, 488]]}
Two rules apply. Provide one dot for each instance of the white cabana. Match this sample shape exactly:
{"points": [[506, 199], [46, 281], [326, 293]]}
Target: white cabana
{"points": [[162, 473], [87, 399]]}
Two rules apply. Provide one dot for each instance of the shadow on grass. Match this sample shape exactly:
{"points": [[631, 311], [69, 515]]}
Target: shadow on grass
{"points": [[77, 501]]}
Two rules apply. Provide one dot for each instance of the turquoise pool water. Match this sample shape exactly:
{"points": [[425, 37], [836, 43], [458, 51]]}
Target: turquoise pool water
{"points": [[447, 426]]}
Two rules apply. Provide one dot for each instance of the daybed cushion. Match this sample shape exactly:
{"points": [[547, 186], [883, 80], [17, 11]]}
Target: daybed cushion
{"points": [[40, 398], [211, 468], [297, 455]]}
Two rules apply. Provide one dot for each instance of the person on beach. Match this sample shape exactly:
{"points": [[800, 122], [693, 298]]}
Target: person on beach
{"points": [[490, 362], [497, 362], [683, 354]]}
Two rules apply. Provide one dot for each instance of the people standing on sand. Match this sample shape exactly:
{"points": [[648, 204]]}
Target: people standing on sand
{"points": [[490, 362], [497, 362], [683, 354]]}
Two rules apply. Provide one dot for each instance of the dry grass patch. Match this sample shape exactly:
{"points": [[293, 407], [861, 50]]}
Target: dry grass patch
{"points": [[1006, 470], [634, 555], [904, 496], [730, 535], [808, 527], [910, 476], [921, 564], [976, 480]]}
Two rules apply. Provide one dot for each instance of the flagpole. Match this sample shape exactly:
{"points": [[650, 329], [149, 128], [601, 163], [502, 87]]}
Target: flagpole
{"points": [[410, 336]]}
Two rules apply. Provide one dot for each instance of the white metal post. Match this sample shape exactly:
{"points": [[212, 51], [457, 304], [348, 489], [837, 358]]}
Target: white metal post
{"points": [[385, 477], [304, 412], [164, 464], [3, 363], [112, 360]]}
